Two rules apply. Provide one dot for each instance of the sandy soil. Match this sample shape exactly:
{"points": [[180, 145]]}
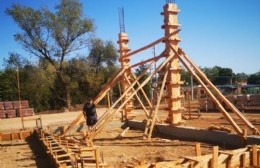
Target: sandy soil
{"points": [[127, 151]]}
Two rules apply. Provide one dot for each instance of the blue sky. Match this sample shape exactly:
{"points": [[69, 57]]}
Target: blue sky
{"points": [[214, 32]]}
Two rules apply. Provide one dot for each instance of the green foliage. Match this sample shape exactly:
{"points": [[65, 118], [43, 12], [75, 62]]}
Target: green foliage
{"points": [[254, 78], [241, 77], [218, 75], [53, 36], [8, 85]]}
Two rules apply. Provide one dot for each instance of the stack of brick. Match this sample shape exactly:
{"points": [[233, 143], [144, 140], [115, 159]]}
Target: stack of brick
{"points": [[241, 101], [10, 109]]}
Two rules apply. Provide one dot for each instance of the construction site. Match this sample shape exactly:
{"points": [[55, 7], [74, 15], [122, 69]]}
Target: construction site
{"points": [[175, 128]]}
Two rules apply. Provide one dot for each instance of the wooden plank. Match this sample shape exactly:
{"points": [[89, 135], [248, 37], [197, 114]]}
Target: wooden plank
{"points": [[254, 155], [154, 116], [222, 109], [138, 98], [219, 94], [95, 130], [106, 116], [214, 161], [197, 149], [150, 45], [99, 97], [143, 92], [97, 157], [243, 160], [148, 60]]}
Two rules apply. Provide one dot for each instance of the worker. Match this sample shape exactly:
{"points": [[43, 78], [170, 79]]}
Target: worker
{"points": [[90, 114]]}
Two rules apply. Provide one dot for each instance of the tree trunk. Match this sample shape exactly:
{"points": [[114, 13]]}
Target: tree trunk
{"points": [[65, 85], [68, 98]]}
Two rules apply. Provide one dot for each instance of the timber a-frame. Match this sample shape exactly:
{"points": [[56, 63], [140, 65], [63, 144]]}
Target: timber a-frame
{"points": [[169, 70]]}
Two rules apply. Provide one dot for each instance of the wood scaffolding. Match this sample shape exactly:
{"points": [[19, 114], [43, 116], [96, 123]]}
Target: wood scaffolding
{"points": [[169, 72]]}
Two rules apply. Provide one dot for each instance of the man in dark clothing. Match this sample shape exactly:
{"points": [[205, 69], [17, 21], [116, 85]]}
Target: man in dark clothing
{"points": [[90, 114]]}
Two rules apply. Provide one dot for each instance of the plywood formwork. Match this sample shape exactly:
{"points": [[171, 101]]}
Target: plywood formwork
{"points": [[169, 69], [125, 64], [173, 83]]}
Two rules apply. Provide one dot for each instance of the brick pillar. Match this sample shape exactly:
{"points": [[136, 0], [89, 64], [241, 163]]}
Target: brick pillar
{"points": [[173, 82], [125, 63]]}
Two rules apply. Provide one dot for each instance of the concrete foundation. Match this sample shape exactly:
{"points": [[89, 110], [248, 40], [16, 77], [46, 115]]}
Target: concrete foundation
{"points": [[202, 135]]}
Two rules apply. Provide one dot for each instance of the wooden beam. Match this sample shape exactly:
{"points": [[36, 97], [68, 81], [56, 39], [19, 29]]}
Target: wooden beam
{"points": [[222, 109], [95, 130], [138, 98], [148, 60], [157, 105], [197, 149], [106, 116], [214, 161], [98, 98], [254, 156], [143, 92], [219, 94], [108, 100], [151, 44]]}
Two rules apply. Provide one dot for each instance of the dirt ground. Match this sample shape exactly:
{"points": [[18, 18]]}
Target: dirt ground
{"points": [[117, 152]]}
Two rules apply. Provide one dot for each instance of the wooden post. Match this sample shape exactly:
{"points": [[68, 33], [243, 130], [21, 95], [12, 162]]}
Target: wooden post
{"points": [[170, 11], [125, 64], [197, 149], [258, 158], [108, 100], [97, 157], [243, 160], [254, 155], [189, 103], [214, 161], [67, 146]]}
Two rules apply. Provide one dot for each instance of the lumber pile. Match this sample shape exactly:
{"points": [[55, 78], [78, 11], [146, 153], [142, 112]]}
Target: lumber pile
{"points": [[10, 109], [244, 157]]}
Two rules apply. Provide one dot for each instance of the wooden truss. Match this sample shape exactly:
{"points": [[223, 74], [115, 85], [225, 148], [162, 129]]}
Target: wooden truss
{"points": [[170, 81]]}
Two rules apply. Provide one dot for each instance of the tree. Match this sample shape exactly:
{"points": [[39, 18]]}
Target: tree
{"points": [[102, 55], [101, 63], [241, 77], [53, 36], [218, 75], [254, 78]]}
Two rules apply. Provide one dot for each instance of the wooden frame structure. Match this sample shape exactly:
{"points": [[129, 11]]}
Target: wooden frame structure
{"points": [[169, 70]]}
